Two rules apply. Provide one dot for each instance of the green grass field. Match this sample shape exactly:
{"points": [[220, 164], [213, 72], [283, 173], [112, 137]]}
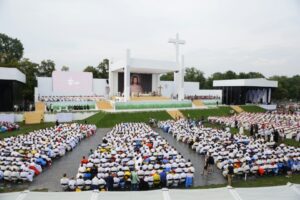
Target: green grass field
{"points": [[253, 108], [198, 113], [107, 120], [26, 128], [265, 181]]}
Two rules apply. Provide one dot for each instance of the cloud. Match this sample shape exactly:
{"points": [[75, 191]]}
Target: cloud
{"points": [[249, 35]]}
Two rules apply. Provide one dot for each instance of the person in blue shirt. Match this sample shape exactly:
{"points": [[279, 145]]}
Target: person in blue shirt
{"points": [[163, 178]]}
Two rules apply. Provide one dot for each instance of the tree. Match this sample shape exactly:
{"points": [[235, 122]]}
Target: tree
{"points": [[194, 75], [11, 50], [243, 75], [103, 68], [167, 77], [230, 75], [30, 70], [64, 68], [46, 68], [288, 88], [93, 70]]}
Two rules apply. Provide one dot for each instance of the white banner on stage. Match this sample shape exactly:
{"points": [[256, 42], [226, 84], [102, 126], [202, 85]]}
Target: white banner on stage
{"points": [[64, 117], [7, 117]]}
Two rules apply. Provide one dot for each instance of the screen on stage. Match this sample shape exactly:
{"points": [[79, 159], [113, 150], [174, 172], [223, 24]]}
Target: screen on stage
{"points": [[70, 82], [139, 83]]}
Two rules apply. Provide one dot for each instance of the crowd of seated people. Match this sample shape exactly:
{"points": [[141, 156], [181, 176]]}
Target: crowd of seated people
{"points": [[202, 97], [8, 126], [69, 98], [247, 155], [287, 125], [131, 157], [25, 156]]}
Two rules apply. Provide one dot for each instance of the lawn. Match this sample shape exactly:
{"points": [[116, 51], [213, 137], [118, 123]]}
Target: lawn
{"points": [[258, 182], [26, 128], [291, 142], [107, 120], [198, 113], [219, 126], [253, 108]]}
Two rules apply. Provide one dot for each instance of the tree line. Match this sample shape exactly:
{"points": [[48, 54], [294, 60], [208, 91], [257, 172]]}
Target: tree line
{"points": [[12, 50]]}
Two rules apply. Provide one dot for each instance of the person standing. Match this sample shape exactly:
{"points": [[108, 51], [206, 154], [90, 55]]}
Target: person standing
{"points": [[163, 178], [134, 181], [230, 173], [109, 182]]}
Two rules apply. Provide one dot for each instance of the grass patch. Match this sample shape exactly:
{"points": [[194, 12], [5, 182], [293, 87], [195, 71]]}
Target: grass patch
{"points": [[94, 118], [253, 109], [198, 113], [258, 182], [26, 128], [291, 142], [108, 120], [220, 126]]}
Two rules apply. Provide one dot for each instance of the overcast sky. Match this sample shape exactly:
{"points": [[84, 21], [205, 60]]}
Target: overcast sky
{"points": [[238, 35]]}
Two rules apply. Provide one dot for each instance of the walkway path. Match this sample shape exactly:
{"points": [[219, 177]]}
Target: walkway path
{"points": [[50, 177], [198, 161], [68, 164]]}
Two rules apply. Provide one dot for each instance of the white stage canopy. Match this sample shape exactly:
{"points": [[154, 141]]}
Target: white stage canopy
{"points": [[256, 82], [7, 73], [287, 192], [146, 66]]}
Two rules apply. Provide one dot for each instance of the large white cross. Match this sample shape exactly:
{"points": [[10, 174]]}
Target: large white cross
{"points": [[177, 42], [179, 77]]}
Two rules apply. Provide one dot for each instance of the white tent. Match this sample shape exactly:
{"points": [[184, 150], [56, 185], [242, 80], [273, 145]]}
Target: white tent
{"points": [[287, 192]]}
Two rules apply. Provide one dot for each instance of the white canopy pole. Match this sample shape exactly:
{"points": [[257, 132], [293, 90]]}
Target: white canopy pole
{"points": [[181, 80], [127, 77]]}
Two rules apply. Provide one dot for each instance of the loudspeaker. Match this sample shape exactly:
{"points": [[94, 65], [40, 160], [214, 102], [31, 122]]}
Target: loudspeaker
{"points": [[107, 81]]}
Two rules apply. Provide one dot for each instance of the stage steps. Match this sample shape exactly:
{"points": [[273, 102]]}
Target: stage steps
{"points": [[40, 106], [198, 103], [104, 105], [35, 117], [175, 114], [238, 109]]}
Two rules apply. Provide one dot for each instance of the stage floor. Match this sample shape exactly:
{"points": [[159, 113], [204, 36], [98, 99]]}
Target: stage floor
{"points": [[149, 98]]}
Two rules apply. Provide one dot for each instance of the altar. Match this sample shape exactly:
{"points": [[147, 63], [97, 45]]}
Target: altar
{"points": [[138, 79]]}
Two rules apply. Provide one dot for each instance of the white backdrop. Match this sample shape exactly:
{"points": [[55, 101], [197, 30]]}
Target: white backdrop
{"points": [[6, 117], [44, 87], [64, 117], [190, 88]]}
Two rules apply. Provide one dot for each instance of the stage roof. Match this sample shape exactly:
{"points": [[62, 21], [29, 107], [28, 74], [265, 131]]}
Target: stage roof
{"points": [[145, 66], [291, 191], [7, 73], [257, 82]]}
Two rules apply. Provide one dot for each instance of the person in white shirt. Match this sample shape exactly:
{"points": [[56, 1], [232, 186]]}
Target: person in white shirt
{"points": [[64, 182], [72, 184]]}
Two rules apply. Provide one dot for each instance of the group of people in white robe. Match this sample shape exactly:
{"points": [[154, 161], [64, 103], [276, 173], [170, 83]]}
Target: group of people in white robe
{"points": [[288, 125], [248, 155], [23, 157], [8, 126], [131, 157], [70, 98]]}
